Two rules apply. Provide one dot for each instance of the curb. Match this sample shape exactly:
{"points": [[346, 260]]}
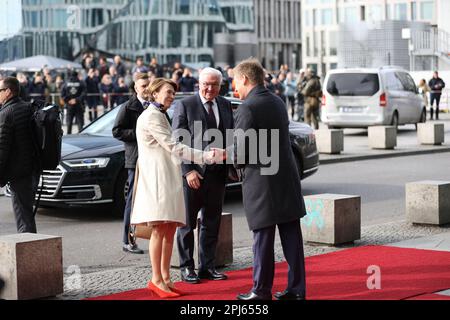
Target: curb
{"points": [[394, 154]]}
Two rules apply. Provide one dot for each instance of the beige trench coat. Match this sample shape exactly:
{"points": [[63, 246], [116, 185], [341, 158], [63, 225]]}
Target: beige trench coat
{"points": [[158, 192]]}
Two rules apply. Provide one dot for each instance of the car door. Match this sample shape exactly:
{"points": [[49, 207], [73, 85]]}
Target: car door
{"points": [[395, 95]]}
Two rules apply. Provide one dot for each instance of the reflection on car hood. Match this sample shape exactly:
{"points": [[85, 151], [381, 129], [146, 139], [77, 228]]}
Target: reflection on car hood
{"points": [[300, 129], [87, 145]]}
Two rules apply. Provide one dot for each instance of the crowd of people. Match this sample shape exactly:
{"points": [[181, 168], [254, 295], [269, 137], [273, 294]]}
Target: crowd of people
{"points": [[103, 85]]}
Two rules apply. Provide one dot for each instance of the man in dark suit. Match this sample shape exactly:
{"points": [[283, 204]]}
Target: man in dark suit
{"points": [[204, 186], [125, 130], [271, 197]]}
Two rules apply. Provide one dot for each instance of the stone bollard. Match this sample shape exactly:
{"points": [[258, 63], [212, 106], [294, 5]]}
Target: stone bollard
{"points": [[332, 218], [430, 133], [428, 202], [2, 191], [330, 141], [224, 249], [382, 137], [31, 266]]}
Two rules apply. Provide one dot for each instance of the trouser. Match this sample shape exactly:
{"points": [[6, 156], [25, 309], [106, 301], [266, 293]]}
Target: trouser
{"points": [[23, 194], [310, 110], [128, 205], [290, 102], [433, 97], [264, 258], [76, 112], [209, 199]]}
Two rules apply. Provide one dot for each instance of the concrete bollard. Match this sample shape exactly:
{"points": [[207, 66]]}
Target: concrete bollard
{"points": [[332, 218], [31, 266], [224, 249], [2, 191], [430, 133], [330, 141], [428, 202], [382, 137]]}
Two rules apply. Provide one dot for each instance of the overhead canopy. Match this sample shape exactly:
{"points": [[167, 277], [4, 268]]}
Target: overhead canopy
{"points": [[36, 63]]}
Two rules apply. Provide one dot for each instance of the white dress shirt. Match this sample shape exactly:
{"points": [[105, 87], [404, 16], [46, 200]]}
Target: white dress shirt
{"points": [[215, 108]]}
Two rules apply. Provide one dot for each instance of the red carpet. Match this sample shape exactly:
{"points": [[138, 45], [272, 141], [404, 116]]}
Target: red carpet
{"points": [[341, 275]]}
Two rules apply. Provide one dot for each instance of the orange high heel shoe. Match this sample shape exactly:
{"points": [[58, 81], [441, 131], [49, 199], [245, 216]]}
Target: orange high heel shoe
{"points": [[161, 293], [174, 289]]}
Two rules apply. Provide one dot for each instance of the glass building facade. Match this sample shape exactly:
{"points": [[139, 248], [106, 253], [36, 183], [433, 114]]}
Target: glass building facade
{"points": [[170, 30]]}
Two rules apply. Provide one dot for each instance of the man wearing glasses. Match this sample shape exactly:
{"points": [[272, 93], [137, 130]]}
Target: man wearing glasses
{"points": [[204, 186], [17, 155]]}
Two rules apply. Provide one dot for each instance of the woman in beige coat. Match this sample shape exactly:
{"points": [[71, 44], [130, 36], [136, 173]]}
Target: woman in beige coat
{"points": [[424, 90], [158, 197]]}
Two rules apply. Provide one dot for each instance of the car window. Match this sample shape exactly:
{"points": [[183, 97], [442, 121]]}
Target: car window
{"points": [[406, 81], [392, 81], [103, 125], [353, 84]]}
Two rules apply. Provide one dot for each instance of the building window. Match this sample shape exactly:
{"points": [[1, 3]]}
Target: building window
{"points": [[401, 11], [333, 66], [332, 40], [327, 16], [375, 13], [413, 11], [308, 46], [350, 14], [307, 18], [426, 10]]}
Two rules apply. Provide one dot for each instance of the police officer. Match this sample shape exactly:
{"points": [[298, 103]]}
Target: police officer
{"points": [[73, 93]]}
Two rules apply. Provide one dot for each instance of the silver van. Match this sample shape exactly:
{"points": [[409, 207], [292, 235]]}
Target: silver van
{"points": [[359, 98]]}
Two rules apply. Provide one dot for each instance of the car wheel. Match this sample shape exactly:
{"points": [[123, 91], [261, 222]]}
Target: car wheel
{"points": [[120, 194], [394, 121]]}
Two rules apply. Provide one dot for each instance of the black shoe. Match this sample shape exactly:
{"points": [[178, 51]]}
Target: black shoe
{"points": [[188, 275], [211, 274], [286, 295], [252, 296], [132, 248]]}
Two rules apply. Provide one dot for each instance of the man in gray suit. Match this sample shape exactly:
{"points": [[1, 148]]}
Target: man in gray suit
{"points": [[204, 186], [270, 198]]}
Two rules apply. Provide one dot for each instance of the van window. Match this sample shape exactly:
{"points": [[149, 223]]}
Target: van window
{"points": [[407, 82], [353, 84], [392, 81]]}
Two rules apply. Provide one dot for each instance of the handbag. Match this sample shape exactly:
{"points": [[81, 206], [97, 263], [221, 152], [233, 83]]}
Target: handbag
{"points": [[143, 231]]}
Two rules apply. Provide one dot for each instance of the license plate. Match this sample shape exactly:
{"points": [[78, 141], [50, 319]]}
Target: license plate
{"points": [[351, 109]]}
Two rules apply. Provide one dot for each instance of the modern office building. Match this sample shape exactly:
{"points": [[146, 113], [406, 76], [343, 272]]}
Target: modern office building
{"points": [[278, 31], [332, 30], [190, 31]]}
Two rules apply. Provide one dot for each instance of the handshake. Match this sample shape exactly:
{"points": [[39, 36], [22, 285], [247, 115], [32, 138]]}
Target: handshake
{"points": [[215, 155]]}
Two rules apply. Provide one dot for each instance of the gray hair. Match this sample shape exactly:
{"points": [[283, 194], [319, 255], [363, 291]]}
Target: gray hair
{"points": [[211, 71]]}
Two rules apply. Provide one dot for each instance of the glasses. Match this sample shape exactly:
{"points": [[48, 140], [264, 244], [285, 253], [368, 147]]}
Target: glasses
{"points": [[205, 84]]}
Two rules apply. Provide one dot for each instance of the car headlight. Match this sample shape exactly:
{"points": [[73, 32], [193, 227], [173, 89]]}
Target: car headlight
{"points": [[89, 163]]}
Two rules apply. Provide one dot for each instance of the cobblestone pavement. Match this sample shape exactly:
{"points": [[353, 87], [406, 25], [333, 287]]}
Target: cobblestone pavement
{"points": [[103, 280]]}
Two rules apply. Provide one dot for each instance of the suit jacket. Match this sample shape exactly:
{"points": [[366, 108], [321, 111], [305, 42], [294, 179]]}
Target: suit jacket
{"points": [[158, 193], [190, 110], [268, 199]]}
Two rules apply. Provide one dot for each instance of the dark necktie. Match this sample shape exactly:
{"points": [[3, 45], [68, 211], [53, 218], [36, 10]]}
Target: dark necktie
{"points": [[211, 117]]}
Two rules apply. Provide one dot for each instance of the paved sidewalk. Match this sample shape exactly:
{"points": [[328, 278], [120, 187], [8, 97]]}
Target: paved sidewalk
{"points": [[356, 144], [400, 233]]}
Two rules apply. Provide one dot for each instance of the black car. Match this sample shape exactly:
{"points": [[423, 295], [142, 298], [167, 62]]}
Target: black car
{"points": [[91, 171]]}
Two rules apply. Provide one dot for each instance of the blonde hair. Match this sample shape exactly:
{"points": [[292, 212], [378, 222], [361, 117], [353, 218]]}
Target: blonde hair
{"points": [[156, 85]]}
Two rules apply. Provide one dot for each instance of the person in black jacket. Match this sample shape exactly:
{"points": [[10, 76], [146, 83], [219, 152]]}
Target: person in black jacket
{"points": [[267, 205], [17, 154], [125, 130], [436, 85], [74, 93]]}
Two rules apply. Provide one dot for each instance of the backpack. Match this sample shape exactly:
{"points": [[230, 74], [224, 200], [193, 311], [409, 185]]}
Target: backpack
{"points": [[47, 134]]}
